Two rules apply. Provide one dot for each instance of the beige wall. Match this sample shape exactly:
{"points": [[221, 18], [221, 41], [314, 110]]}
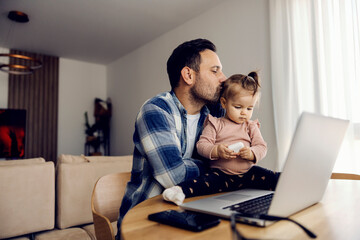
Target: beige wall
{"points": [[240, 29]]}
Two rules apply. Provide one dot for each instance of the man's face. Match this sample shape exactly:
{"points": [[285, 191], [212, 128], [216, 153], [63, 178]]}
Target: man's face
{"points": [[208, 81]]}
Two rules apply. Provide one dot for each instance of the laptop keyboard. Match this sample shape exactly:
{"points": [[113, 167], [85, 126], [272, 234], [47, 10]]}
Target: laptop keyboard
{"points": [[258, 205]]}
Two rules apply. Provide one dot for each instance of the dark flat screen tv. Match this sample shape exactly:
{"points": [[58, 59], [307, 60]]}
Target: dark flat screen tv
{"points": [[12, 133]]}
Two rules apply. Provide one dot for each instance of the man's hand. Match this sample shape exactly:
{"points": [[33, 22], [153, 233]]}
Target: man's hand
{"points": [[222, 151], [247, 154]]}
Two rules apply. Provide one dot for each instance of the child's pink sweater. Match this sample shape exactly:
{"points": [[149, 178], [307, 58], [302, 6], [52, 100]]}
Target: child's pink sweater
{"points": [[223, 130]]}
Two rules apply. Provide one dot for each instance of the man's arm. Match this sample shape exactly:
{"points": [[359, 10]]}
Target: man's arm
{"points": [[159, 142]]}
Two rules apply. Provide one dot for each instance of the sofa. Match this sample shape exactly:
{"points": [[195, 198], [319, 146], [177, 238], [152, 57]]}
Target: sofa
{"points": [[41, 201]]}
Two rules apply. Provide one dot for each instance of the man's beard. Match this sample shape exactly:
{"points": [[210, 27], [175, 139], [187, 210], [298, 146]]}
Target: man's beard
{"points": [[200, 94]]}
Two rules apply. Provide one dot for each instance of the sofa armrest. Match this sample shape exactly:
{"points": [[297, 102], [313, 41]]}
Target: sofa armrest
{"points": [[27, 197]]}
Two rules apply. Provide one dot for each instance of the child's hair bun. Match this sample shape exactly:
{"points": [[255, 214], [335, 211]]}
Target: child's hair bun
{"points": [[255, 76]]}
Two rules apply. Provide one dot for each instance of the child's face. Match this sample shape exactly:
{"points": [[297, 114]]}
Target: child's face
{"points": [[239, 108]]}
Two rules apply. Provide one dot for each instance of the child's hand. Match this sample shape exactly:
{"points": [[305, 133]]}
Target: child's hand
{"points": [[222, 151], [246, 154]]}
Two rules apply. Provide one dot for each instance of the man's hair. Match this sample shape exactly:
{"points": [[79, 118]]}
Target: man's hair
{"points": [[186, 54]]}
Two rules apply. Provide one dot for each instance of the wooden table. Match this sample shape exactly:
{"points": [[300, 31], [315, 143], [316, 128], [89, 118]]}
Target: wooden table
{"points": [[336, 217]]}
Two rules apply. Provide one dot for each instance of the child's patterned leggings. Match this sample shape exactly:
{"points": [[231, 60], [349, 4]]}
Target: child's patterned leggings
{"points": [[215, 181]]}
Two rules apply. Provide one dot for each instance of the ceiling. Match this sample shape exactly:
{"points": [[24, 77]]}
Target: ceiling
{"points": [[97, 31]]}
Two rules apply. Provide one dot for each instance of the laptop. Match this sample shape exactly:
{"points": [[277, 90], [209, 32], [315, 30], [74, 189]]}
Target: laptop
{"points": [[302, 183]]}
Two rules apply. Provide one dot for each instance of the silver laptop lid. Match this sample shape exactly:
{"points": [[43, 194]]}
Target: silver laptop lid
{"points": [[311, 158]]}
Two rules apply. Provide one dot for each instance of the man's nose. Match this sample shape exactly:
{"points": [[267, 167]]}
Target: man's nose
{"points": [[222, 78]]}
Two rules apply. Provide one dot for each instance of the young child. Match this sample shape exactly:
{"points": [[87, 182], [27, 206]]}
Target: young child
{"points": [[230, 170]]}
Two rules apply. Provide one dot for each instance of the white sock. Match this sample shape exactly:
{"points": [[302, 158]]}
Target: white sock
{"points": [[174, 194]]}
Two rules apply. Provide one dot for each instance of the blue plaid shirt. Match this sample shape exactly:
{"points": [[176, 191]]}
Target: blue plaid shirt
{"points": [[160, 142]]}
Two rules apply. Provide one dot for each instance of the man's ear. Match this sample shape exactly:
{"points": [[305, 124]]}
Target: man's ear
{"points": [[223, 102], [188, 75]]}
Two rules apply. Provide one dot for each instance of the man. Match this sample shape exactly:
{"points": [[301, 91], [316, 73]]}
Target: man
{"points": [[168, 125]]}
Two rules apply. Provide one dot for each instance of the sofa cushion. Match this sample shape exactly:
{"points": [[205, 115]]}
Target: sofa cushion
{"points": [[27, 198], [69, 233], [66, 158], [19, 238], [75, 183], [124, 159], [90, 229], [22, 161]]}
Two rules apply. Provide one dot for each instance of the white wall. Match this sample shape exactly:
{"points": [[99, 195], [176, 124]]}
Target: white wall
{"points": [[79, 84], [239, 29]]}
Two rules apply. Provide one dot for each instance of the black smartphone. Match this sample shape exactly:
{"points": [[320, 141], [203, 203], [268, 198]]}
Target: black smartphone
{"points": [[186, 220]]}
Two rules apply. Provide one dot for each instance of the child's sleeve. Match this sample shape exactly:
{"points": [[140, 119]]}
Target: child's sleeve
{"points": [[258, 145], [207, 140]]}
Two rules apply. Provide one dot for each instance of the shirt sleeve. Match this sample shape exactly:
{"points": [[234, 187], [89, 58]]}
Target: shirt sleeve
{"points": [[207, 140], [161, 145], [258, 145]]}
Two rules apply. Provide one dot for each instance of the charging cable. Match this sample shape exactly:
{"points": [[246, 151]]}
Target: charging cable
{"points": [[238, 236]]}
